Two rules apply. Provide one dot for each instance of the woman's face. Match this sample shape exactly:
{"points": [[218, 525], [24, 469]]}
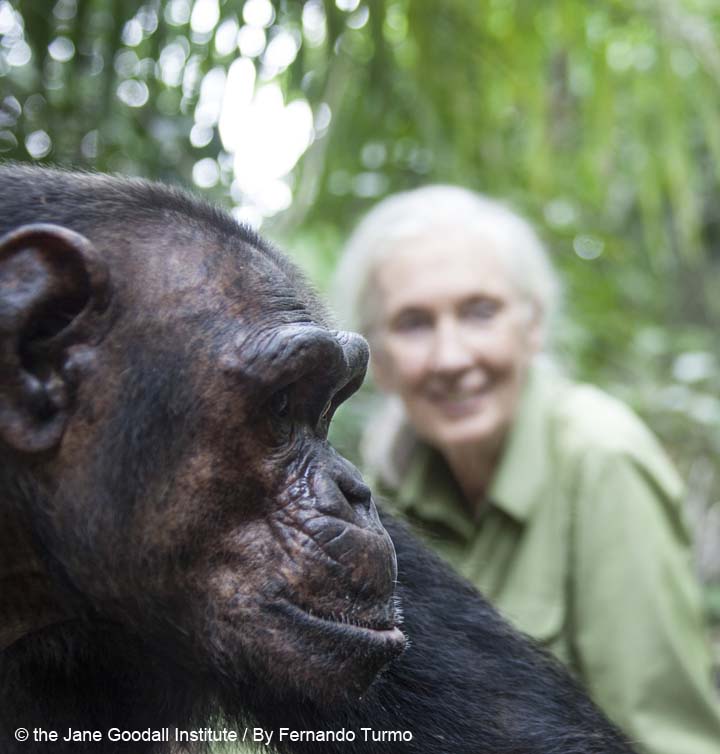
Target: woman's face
{"points": [[454, 340]]}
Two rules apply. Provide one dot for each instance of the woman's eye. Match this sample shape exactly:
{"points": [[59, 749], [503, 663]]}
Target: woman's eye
{"points": [[411, 321], [480, 309], [279, 404]]}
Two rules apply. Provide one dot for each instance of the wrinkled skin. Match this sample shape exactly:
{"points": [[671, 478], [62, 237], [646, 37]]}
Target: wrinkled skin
{"points": [[177, 473]]}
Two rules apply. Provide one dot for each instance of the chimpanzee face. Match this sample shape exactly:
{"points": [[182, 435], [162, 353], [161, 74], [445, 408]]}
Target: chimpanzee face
{"points": [[183, 483]]}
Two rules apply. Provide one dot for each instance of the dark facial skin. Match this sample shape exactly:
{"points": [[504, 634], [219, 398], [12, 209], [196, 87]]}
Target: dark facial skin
{"points": [[188, 491]]}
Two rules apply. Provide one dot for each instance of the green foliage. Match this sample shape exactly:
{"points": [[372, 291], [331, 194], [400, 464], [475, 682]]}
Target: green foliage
{"points": [[599, 121]]}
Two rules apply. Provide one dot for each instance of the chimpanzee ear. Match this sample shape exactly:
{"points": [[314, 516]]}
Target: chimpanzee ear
{"points": [[52, 283]]}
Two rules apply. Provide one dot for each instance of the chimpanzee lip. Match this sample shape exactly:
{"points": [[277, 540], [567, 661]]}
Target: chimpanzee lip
{"points": [[385, 631]]}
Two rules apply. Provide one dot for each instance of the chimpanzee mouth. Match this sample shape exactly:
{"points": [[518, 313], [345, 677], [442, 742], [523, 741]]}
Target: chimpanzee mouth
{"points": [[346, 626]]}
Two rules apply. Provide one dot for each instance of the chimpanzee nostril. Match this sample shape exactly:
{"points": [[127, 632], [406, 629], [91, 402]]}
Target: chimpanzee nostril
{"points": [[353, 489], [356, 492]]}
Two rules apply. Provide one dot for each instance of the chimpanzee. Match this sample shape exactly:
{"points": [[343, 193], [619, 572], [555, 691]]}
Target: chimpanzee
{"points": [[177, 538]]}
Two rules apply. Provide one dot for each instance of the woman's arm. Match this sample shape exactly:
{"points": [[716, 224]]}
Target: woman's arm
{"points": [[637, 617]]}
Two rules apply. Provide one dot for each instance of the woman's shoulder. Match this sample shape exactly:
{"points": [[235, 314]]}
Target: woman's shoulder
{"points": [[593, 427], [596, 420]]}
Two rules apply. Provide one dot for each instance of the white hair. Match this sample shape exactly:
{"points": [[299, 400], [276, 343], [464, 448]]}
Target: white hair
{"points": [[490, 226], [493, 228]]}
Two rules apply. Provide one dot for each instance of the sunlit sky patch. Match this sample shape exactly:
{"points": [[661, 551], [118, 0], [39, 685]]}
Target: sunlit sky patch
{"points": [[265, 135]]}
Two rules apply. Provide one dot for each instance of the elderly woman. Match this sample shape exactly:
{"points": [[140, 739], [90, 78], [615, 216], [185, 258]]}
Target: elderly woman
{"points": [[551, 497]]}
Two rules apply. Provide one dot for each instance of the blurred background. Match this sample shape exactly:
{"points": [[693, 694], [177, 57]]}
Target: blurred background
{"points": [[598, 121]]}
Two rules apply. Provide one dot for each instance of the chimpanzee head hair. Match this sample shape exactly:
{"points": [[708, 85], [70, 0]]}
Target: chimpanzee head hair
{"points": [[125, 210], [166, 384]]}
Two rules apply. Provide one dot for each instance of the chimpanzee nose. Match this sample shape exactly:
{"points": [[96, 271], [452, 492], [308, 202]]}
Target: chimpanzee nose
{"points": [[349, 481], [355, 491], [341, 493]]}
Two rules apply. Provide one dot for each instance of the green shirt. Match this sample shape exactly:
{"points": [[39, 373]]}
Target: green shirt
{"points": [[582, 545]]}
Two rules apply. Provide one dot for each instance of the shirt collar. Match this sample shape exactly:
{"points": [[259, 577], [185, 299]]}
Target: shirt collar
{"points": [[430, 491], [526, 464]]}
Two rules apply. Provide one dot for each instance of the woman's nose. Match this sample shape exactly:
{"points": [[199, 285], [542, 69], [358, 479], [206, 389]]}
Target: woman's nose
{"points": [[450, 352]]}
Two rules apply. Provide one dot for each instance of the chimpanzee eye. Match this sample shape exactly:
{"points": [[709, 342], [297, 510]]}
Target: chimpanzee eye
{"points": [[325, 415], [279, 404]]}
